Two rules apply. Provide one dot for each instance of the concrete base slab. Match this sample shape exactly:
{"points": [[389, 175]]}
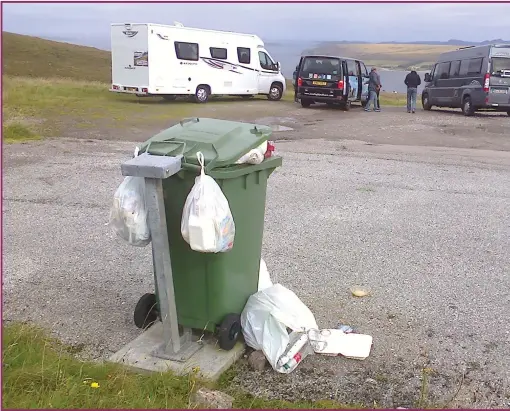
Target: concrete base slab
{"points": [[210, 360]]}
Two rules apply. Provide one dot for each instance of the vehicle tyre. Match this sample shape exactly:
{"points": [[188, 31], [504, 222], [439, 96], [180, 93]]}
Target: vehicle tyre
{"points": [[170, 97], [202, 94], [467, 106], [425, 102], [305, 103], [275, 92], [229, 331], [146, 311]]}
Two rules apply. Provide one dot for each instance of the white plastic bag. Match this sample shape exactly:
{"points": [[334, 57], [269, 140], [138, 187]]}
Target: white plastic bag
{"points": [[266, 317], [254, 156], [207, 224], [128, 215], [264, 278]]}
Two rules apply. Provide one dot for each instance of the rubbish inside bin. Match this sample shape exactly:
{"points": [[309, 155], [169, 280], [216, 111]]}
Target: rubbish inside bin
{"points": [[128, 214], [265, 319], [207, 224], [254, 156]]}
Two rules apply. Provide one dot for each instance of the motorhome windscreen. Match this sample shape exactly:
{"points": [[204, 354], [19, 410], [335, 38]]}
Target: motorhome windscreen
{"points": [[321, 66], [499, 65]]}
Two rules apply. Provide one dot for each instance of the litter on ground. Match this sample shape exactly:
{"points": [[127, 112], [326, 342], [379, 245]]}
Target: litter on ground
{"points": [[360, 292], [276, 322]]}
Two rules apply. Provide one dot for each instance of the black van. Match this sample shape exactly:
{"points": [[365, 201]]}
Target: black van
{"points": [[471, 78], [331, 80]]}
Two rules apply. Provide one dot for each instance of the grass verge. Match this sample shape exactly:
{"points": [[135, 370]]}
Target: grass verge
{"points": [[40, 372], [52, 107], [17, 133]]}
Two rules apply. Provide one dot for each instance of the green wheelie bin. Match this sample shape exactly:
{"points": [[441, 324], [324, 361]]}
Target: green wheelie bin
{"points": [[211, 289]]}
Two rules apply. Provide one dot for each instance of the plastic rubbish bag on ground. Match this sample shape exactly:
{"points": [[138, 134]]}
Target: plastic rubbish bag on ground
{"points": [[264, 278], [128, 214], [266, 317], [254, 156], [207, 224]]}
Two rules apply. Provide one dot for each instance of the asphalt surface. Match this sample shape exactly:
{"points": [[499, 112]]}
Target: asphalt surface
{"points": [[426, 229]]}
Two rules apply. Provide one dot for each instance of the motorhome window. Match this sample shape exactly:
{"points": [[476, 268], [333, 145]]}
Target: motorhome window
{"points": [[265, 61], [455, 68], [218, 53], [243, 55], [475, 66], [499, 64], [442, 71], [364, 71], [186, 51], [315, 66]]}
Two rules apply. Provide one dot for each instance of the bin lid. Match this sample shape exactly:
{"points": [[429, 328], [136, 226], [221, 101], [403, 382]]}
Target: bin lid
{"points": [[222, 142]]}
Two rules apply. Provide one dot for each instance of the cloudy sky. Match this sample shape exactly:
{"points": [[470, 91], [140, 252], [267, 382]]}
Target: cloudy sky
{"points": [[89, 23]]}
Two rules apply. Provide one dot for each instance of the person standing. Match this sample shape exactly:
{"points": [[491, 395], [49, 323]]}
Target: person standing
{"points": [[294, 81], [412, 81], [374, 85]]}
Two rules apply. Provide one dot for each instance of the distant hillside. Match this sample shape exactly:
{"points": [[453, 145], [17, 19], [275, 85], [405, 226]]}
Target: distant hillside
{"points": [[391, 56], [451, 42], [29, 56]]}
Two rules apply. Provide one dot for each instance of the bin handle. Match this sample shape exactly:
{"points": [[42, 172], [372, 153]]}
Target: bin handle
{"points": [[188, 120], [180, 143], [207, 168]]}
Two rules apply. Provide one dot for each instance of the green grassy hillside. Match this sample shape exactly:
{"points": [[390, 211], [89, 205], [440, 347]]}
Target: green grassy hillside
{"points": [[27, 56], [53, 89]]}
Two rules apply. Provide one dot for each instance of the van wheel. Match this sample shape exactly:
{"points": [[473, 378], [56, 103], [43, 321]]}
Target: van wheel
{"points": [[275, 93], [202, 94], [305, 103], [425, 102], [467, 107]]}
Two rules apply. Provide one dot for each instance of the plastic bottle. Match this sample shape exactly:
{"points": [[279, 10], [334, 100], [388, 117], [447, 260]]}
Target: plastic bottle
{"points": [[293, 361], [296, 347]]}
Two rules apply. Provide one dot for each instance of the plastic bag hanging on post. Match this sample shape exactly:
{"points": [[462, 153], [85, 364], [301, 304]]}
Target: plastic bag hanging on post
{"points": [[128, 215], [207, 224]]}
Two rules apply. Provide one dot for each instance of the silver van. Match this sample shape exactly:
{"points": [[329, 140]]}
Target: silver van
{"points": [[475, 78]]}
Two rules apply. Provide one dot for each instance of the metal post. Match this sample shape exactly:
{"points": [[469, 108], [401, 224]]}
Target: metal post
{"points": [[155, 169]]}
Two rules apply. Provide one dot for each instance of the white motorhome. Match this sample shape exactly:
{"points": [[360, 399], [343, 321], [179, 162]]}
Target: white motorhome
{"points": [[170, 61]]}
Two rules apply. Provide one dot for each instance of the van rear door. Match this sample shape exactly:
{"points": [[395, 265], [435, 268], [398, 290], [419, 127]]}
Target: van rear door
{"points": [[320, 76], [499, 71], [130, 57]]}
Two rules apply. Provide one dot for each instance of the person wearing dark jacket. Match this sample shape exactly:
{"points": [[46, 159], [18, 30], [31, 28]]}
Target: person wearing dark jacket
{"points": [[374, 85], [412, 82], [294, 81]]}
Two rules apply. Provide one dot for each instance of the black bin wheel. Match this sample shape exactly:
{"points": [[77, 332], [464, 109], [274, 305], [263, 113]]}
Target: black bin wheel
{"points": [[146, 311], [229, 331]]}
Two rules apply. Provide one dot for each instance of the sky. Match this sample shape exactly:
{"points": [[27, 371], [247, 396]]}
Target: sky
{"points": [[89, 24]]}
